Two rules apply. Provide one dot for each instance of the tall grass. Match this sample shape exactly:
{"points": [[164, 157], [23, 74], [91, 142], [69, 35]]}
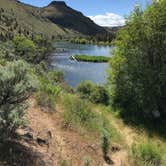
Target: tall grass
{"points": [[78, 111], [81, 113], [147, 154], [47, 94]]}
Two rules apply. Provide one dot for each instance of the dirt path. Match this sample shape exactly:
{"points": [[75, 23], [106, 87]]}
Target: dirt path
{"points": [[63, 145]]}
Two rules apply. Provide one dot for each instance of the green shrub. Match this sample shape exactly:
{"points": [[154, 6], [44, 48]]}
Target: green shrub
{"points": [[47, 95], [41, 68], [63, 163], [24, 48], [87, 161], [16, 85], [99, 95], [56, 76], [3, 62], [46, 101], [95, 93], [33, 50], [6, 50], [77, 111], [85, 88], [105, 141], [148, 154]]}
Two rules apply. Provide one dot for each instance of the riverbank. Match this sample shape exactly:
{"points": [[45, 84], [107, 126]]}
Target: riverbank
{"points": [[88, 58]]}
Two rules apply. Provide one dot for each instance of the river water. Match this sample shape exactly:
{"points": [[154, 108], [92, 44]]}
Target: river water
{"points": [[74, 71]]}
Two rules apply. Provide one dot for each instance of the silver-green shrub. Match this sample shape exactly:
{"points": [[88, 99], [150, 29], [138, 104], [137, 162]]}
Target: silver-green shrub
{"points": [[16, 85]]}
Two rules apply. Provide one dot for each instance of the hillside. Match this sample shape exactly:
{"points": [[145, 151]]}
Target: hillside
{"points": [[62, 15], [57, 19], [47, 142]]}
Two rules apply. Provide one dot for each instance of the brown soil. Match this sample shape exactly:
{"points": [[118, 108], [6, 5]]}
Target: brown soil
{"points": [[59, 145], [64, 145]]}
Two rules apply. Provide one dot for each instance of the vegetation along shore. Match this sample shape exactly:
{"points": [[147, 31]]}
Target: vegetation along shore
{"points": [[89, 58]]}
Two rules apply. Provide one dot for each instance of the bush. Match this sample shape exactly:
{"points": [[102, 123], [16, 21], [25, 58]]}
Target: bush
{"points": [[16, 85], [47, 95], [77, 111], [41, 68], [24, 48], [95, 93], [6, 50], [148, 154], [46, 101], [87, 161], [85, 88], [33, 50], [137, 75], [105, 141], [56, 76], [99, 95]]}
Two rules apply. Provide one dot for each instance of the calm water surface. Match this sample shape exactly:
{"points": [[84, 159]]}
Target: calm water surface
{"points": [[74, 71]]}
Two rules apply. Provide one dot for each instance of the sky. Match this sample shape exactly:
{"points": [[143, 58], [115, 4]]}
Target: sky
{"points": [[103, 12]]}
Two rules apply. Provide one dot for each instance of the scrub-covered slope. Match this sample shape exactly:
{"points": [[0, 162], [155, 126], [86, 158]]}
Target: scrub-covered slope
{"points": [[57, 19]]}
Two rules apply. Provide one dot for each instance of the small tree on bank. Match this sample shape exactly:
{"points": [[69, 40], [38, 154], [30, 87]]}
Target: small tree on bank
{"points": [[15, 87]]}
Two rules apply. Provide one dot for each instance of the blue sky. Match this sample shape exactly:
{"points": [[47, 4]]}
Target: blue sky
{"points": [[103, 12]]}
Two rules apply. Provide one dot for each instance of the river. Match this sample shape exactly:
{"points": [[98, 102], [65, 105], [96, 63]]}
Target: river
{"points": [[74, 71]]}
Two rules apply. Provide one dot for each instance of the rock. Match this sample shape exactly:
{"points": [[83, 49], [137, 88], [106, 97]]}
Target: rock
{"points": [[42, 141], [28, 135], [115, 148], [21, 132], [25, 134]]}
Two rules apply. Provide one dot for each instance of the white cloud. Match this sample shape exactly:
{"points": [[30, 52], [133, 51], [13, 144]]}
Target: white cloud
{"points": [[109, 19]]}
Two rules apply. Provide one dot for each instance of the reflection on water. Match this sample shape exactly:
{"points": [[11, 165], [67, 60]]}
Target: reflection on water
{"points": [[77, 71]]}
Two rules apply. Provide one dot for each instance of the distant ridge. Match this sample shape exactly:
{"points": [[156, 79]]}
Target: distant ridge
{"points": [[55, 19], [61, 14]]}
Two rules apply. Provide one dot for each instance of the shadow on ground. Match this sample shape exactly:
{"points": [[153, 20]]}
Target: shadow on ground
{"points": [[16, 154], [150, 125]]}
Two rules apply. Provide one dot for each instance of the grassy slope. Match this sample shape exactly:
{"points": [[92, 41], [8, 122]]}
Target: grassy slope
{"points": [[55, 19], [29, 17]]}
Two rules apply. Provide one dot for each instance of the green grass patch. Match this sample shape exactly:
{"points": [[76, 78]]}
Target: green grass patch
{"points": [[79, 112], [147, 154], [47, 94], [88, 58]]}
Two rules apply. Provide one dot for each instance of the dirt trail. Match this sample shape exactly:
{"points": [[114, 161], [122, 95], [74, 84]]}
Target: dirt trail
{"points": [[65, 145]]}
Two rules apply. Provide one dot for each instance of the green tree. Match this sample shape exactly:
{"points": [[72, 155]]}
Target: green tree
{"points": [[85, 88], [24, 48], [137, 68], [95, 93], [16, 84]]}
